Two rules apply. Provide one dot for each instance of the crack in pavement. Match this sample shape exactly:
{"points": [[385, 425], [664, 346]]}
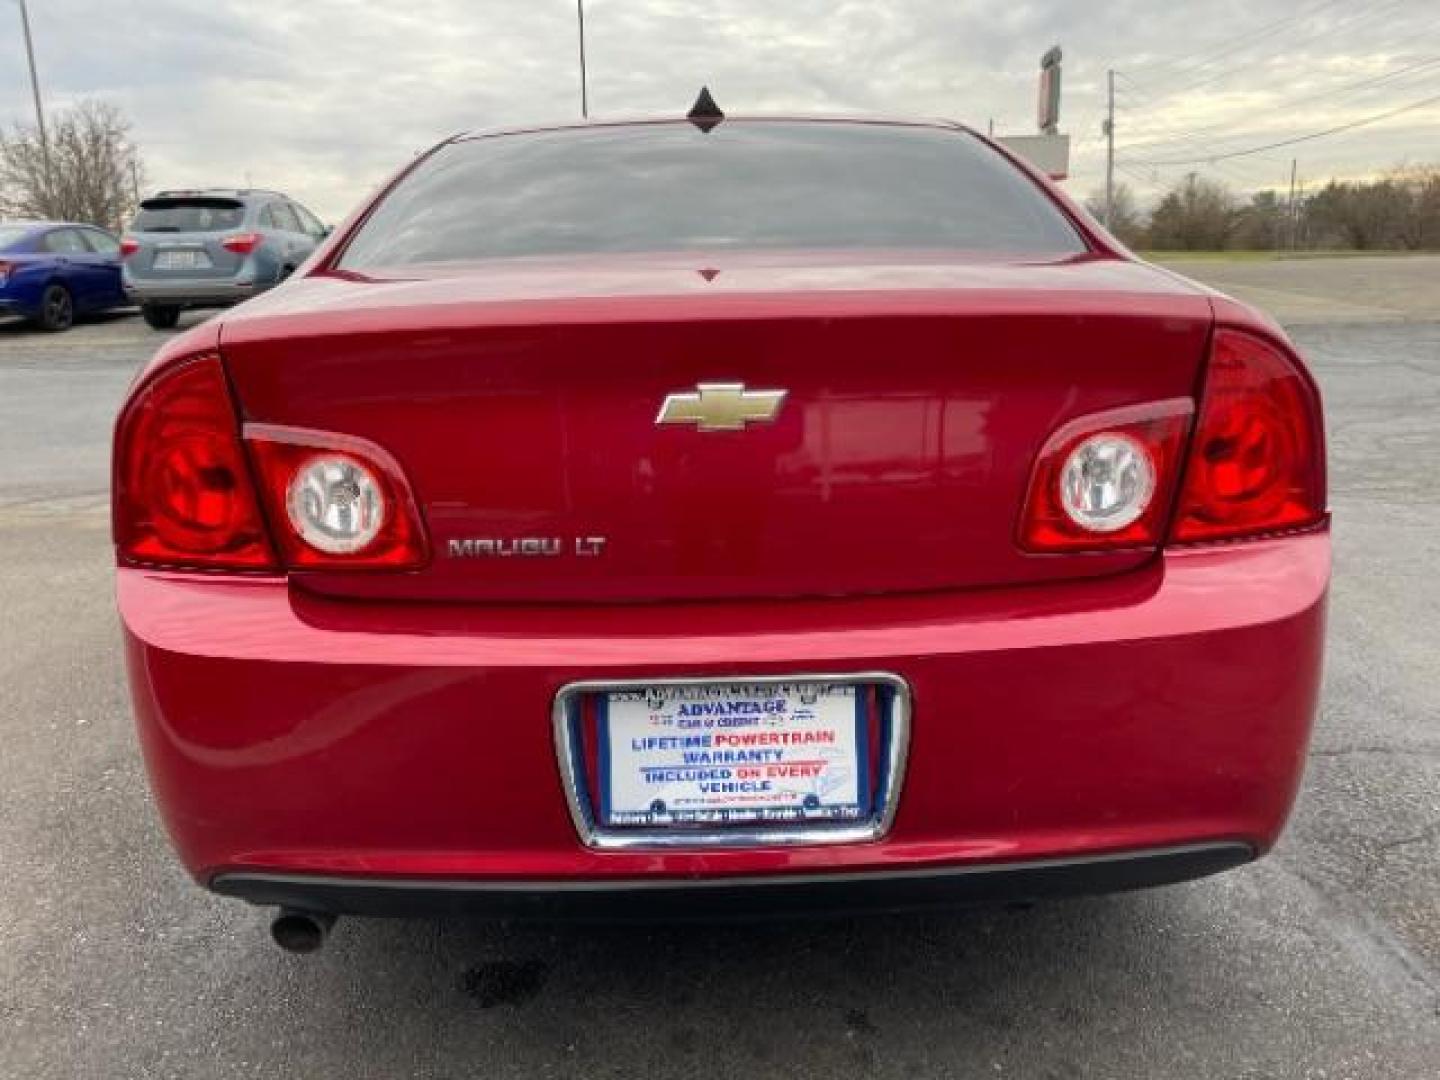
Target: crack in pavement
{"points": [[1428, 833], [1367, 937], [1342, 751]]}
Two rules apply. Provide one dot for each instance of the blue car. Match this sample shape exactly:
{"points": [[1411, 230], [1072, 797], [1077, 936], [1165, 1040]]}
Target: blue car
{"points": [[53, 271]]}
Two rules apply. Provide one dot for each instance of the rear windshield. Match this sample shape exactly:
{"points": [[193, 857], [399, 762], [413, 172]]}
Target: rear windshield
{"points": [[188, 215], [747, 184]]}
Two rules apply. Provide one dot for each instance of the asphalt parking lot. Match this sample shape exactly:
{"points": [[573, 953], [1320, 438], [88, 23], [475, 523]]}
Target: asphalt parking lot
{"points": [[1322, 960]]}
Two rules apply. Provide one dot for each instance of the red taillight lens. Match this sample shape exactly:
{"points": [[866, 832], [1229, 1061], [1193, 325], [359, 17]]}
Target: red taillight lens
{"points": [[1257, 463], [128, 246], [183, 494], [242, 243], [338, 502], [1106, 481], [5, 269]]}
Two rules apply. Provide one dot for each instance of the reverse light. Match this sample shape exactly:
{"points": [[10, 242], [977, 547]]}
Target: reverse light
{"points": [[337, 502], [1257, 464], [242, 243], [183, 496], [1106, 481], [128, 246]]}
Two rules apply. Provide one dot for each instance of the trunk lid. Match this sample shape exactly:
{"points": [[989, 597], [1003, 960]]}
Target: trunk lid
{"points": [[522, 401]]}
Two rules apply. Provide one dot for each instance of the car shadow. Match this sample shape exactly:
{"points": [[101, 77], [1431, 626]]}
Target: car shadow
{"points": [[13, 325], [894, 992], [10, 326]]}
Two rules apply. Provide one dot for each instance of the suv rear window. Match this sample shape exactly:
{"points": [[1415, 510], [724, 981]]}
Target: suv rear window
{"points": [[188, 215], [747, 184]]}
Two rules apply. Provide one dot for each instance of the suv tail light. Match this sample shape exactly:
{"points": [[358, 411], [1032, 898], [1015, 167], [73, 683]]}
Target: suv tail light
{"points": [[183, 492], [1257, 463], [241, 243], [337, 502], [1107, 481], [128, 246], [5, 269]]}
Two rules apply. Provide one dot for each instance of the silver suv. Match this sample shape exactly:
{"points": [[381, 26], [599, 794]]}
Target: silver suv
{"points": [[212, 248]]}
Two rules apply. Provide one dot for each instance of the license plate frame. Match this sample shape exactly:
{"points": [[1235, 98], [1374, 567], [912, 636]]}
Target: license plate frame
{"points": [[576, 733]]}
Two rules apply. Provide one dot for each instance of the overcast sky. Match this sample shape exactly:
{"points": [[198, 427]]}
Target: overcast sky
{"points": [[323, 98]]}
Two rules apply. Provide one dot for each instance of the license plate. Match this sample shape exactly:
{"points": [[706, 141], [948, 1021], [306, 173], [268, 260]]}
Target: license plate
{"points": [[734, 754], [183, 259]]}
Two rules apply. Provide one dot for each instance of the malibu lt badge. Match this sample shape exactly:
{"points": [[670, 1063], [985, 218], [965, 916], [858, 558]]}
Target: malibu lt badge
{"points": [[540, 547]]}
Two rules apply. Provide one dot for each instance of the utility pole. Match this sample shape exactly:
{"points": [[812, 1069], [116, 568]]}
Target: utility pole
{"points": [[1299, 206], [584, 85], [1110, 151], [1290, 212], [35, 90]]}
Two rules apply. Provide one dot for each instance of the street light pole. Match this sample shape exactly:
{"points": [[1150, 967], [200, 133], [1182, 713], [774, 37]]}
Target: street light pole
{"points": [[35, 90], [584, 87]]}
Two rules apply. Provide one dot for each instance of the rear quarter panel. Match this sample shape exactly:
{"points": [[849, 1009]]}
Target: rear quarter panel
{"points": [[26, 284]]}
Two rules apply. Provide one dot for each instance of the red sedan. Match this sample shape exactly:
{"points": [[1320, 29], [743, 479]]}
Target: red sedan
{"points": [[685, 516]]}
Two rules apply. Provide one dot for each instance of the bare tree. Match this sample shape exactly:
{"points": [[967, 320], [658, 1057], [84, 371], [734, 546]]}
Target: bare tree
{"points": [[1419, 224], [90, 173], [1126, 220], [1362, 216], [1262, 225], [1197, 214]]}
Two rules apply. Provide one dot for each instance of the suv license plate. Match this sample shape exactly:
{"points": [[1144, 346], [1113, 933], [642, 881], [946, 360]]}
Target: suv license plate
{"points": [[185, 259]]}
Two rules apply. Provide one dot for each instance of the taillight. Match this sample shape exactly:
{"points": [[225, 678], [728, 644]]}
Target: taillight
{"points": [[128, 246], [183, 493], [5, 269], [337, 502], [242, 243], [1257, 462], [1107, 480]]}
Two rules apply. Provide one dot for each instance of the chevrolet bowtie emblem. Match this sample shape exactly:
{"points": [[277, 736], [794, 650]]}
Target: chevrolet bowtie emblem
{"points": [[721, 407]]}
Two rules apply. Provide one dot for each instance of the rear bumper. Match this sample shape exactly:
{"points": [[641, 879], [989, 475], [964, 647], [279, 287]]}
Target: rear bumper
{"points": [[199, 292], [722, 898], [289, 736]]}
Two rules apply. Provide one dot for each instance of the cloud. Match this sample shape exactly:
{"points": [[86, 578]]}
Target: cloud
{"points": [[325, 98]]}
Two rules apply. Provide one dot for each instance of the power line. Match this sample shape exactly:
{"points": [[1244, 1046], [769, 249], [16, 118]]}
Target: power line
{"points": [[1345, 22], [1152, 103], [1201, 142], [1238, 43], [1235, 172], [1291, 103], [1297, 139], [1304, 38], [1196, 142], [1135, 174]]}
